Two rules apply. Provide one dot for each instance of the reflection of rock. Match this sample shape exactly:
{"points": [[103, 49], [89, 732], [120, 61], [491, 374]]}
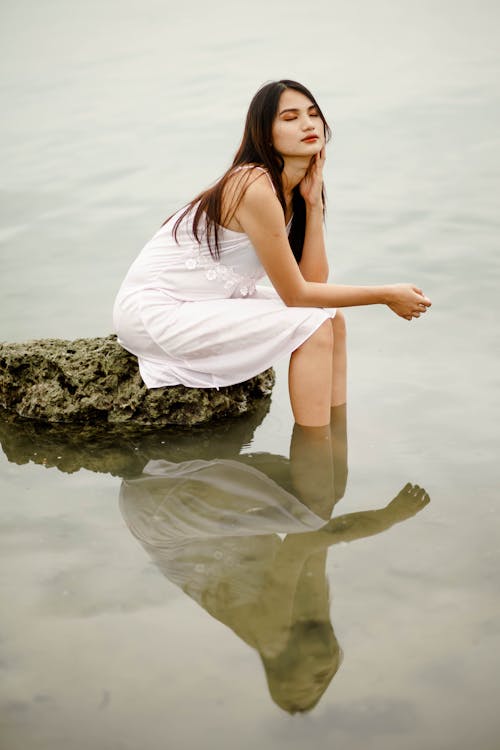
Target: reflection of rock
{"points": [[95, 381], [123, 451]]}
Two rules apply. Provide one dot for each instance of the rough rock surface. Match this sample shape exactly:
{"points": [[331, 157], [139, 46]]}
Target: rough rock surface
{"points": [[96, 382]]}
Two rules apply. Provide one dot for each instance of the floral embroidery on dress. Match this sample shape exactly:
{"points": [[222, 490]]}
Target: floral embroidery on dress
{"points": [[216, 270]]}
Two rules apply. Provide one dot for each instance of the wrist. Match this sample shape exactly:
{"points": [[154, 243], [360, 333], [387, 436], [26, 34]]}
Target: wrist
{"points": [[386, 295], [313, 206]]}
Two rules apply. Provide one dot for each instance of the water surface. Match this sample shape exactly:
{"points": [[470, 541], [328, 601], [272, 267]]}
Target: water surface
{"points": [[117, 113]]}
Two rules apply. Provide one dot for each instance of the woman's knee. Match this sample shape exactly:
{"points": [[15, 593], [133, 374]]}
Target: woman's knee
{"points": [[322, 338]]}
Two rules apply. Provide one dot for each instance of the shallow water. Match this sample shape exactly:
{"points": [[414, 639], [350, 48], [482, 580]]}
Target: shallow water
{"points": [[116, 114]]}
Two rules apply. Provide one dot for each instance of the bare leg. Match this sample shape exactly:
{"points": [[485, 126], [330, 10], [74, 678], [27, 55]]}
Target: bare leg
{"points": [[339, 363], [310, 378]]}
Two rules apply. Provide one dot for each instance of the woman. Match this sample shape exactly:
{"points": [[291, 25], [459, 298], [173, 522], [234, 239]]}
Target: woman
{"points": [[189, 307]]}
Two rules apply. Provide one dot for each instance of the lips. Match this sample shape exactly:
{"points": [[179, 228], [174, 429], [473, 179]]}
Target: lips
{"points": [[310, 139]]}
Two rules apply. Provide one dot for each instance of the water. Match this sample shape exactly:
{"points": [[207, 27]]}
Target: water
{"points": [[116, 113]]}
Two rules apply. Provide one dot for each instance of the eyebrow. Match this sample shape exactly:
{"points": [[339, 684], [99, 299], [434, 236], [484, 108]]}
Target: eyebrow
{"points": [[296, 109]]}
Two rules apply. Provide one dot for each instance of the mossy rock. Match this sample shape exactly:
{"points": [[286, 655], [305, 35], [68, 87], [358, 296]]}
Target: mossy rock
{"points": [[96, 382]]}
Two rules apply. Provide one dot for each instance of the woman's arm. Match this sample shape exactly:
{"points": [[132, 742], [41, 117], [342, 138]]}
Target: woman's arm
{"points": [[261, 218], [314, 263]]}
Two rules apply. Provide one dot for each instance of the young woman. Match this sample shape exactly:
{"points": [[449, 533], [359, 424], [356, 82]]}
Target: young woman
{"points": [[189, 307]]}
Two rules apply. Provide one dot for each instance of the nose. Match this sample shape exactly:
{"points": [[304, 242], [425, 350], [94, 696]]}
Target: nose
{"points": [[307, 123]]}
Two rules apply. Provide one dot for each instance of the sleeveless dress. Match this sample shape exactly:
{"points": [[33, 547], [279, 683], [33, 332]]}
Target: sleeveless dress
{"points": [[213, 527], [194, 321]]}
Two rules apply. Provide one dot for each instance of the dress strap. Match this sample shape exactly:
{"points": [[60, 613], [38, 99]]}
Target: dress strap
{"points": [[261, 169]]}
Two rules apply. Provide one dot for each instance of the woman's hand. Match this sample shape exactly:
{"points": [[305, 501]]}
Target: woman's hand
{"points": [[311, 185], [407, 301]]}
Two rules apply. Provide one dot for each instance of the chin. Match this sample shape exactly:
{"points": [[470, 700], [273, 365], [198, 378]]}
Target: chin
{"points": [[314, 148]]}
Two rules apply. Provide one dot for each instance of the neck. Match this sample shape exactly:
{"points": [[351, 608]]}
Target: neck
{"points": [[293, 172]]}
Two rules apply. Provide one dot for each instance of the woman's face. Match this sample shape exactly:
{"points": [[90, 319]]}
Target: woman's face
{"points": [[298, 129]]}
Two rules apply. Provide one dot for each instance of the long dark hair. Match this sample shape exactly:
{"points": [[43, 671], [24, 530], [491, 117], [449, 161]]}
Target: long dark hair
{"points": [[256, 148]]}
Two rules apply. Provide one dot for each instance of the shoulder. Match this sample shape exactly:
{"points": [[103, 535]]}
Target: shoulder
{"points": [[259, 207], [259, 192], [248, 189], [250, 176]]}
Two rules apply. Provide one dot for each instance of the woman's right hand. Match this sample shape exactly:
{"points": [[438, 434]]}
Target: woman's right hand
{"points": [[407, 300]]}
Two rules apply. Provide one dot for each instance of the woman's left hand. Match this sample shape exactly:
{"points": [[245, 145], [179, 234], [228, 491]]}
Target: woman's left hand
{"points": [[311, 185]]}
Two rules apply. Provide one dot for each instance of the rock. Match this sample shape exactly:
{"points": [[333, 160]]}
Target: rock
{"points": [[96, 382]]}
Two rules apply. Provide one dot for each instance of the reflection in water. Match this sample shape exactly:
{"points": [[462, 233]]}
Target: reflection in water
{"points": [[245, 535], [122, 451], [247, 540]]}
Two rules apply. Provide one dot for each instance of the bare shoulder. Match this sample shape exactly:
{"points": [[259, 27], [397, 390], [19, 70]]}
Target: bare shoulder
{"points": [[260, 199], [248, 189], [248, 176], [259, 204]]}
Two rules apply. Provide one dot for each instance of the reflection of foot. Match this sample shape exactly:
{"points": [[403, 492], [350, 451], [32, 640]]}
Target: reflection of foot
{"points": [[409, 501]]}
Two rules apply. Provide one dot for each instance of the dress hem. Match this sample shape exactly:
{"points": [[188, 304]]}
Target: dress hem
{"points": [[329, 314]]}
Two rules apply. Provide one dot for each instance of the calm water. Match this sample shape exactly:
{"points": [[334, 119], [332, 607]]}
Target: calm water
{"points": [[175, 592]]}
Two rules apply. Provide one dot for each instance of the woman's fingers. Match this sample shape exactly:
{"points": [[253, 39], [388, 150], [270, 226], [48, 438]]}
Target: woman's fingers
{"points": [[312, 182], [424, 300], [318, 160], [418, 311], [408, 301]]}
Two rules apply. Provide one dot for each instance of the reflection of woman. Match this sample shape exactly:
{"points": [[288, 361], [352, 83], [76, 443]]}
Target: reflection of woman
{"points": [[189, 307], [213, 528]]}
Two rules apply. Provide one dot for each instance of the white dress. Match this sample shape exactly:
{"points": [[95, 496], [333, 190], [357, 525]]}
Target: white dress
{"points": [[203, 323], [212, 526]]}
